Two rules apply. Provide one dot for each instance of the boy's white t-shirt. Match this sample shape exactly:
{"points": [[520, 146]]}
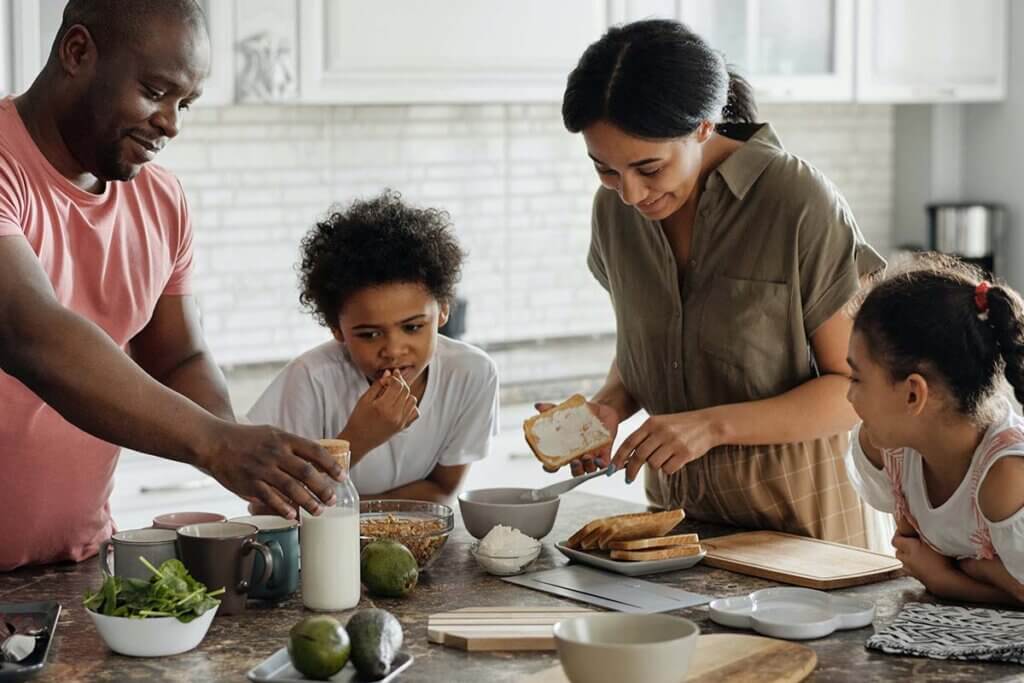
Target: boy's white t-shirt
{"points": [[314, 395]]}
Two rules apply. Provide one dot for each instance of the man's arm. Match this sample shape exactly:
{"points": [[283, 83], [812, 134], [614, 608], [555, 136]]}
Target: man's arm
{"points": [[172, 350], [75, 367]]}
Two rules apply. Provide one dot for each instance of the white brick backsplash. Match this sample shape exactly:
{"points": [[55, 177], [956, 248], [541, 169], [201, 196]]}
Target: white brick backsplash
{"points": [[185, 156], [517, 186]]}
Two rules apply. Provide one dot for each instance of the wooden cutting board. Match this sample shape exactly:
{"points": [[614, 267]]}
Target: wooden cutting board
{"points": [[479, 629], [737, 659], [799, 561]]}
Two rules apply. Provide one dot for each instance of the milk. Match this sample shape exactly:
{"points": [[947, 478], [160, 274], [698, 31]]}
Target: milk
{"points": [[330, 559]]}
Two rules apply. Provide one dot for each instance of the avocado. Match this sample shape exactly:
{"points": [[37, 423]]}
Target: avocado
{"points": [[376, 639], [388, 569], [318, 646]]}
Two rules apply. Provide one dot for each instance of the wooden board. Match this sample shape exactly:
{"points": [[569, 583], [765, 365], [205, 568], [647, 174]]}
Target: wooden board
{"points": [[799, 561], [480, 629], [737, 659]]}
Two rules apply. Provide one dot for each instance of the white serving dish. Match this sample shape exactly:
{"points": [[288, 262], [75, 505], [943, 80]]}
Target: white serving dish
{"points": [[277, 668], [613, 648], [153, 637], [505, 565], [792, 613], [601, 560]]}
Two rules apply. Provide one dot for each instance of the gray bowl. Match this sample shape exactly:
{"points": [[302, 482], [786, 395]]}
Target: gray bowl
{"points": [[484, 509]]}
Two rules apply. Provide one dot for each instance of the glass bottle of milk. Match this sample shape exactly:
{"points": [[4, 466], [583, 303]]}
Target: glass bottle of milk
{"points": [[329, 544]]}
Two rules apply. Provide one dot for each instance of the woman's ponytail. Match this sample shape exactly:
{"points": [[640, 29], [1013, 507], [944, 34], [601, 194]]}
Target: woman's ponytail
{"points": [[740, 107], [1006, 316]]}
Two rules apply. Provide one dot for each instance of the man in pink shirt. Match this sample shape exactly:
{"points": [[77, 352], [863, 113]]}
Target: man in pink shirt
{"points": [[100, 342]]}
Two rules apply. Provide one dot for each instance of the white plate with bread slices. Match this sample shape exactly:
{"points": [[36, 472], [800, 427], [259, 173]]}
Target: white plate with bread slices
{"points": [[634, 544]]}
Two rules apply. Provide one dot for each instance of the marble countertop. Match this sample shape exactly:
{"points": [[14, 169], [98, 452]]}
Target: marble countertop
{"points": [[235, 644]]}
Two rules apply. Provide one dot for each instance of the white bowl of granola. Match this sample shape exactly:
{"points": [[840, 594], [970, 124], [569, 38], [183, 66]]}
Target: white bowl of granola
{"points": [[420, 526]]}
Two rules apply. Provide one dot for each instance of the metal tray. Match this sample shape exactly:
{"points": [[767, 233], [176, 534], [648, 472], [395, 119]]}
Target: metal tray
{"points": [[601, 560], [278, 669], [25, 616]]}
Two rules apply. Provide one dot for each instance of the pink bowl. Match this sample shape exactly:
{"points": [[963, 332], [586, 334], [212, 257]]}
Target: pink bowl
{"points": [[176, 520]]}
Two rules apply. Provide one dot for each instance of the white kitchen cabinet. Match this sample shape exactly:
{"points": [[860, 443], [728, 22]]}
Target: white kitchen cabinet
{"points": [[789, 50], [931, 50], [34, 25], [18, 48], [624, 11], [404, 51], [266, 39]]}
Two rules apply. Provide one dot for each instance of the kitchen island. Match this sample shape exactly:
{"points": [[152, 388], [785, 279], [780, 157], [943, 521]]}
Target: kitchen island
{"points": [[235, 644]]}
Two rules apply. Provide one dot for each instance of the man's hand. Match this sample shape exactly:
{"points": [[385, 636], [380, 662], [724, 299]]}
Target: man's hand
{"points": [[596, 459], [386, 408], [272, 469]]}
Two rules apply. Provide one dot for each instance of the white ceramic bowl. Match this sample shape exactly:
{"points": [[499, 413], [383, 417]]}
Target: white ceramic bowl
{"points": [[505, 565], [612, 648], [154, 637]]}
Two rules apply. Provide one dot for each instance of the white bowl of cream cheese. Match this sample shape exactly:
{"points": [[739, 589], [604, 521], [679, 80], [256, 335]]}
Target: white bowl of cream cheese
{"points": [[505, 551]]}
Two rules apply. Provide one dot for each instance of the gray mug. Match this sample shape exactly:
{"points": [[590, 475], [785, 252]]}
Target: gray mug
{"points": [[156, 545]]}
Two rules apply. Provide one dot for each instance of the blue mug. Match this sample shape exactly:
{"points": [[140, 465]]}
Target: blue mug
{"points": [[281, 536]]}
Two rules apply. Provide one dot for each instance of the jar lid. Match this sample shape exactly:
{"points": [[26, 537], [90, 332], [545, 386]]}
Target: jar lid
{"points": [[338, 448]]}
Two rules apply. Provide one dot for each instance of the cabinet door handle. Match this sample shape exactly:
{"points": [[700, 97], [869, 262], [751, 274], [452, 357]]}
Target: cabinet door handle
{"points": [[190, 485]]}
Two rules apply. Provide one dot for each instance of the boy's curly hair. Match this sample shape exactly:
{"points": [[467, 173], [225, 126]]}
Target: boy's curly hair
{"points": [[374, 242]]}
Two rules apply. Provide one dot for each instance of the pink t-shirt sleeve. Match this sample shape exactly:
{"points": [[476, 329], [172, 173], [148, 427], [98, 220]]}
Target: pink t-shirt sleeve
{"points": [[180, 281], [10, 216]]}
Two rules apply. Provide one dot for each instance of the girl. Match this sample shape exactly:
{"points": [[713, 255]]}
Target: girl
{"points": [[939, 446], [729, 262]]}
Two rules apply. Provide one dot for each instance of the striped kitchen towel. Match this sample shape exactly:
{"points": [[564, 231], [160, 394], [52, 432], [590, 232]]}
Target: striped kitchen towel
{"points": [[950, 632]]}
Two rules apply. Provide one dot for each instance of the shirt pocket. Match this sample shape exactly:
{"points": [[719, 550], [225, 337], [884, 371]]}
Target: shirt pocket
{"points": [[746, 322]]}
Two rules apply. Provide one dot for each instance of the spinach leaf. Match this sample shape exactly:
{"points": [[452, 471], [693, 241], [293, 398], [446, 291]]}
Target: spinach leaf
{"points": [[170, 592]]}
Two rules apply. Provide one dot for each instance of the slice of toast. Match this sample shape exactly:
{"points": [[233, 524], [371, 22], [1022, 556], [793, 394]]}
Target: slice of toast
{"points": [[659, 542], [595, 526], [560, 435], [655, 524], [657, 553], [599, 533]]}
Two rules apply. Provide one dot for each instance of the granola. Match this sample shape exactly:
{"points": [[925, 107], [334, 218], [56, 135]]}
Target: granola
{"points": [[423, 537]]}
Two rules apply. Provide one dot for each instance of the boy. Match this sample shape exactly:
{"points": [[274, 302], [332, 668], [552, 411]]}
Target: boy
{"points": [[416, 407]]}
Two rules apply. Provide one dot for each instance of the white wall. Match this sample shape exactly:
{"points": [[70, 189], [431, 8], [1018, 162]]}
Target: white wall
{"points": [[929, 166], [994, 151], [912, 186], [517, 185]]}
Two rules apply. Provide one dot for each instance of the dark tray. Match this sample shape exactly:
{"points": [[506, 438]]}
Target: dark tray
{"points": [[25, 616]]}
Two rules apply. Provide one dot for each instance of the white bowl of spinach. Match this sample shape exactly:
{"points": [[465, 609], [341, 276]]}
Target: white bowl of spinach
{"points": [[167, 615]]}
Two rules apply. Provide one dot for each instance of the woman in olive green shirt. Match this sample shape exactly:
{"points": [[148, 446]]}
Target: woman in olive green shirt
{"points": [[729, 262]]}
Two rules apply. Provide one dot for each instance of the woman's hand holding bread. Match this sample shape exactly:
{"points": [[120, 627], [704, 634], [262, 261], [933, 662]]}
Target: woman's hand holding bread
{"points": [[576, 432]]}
